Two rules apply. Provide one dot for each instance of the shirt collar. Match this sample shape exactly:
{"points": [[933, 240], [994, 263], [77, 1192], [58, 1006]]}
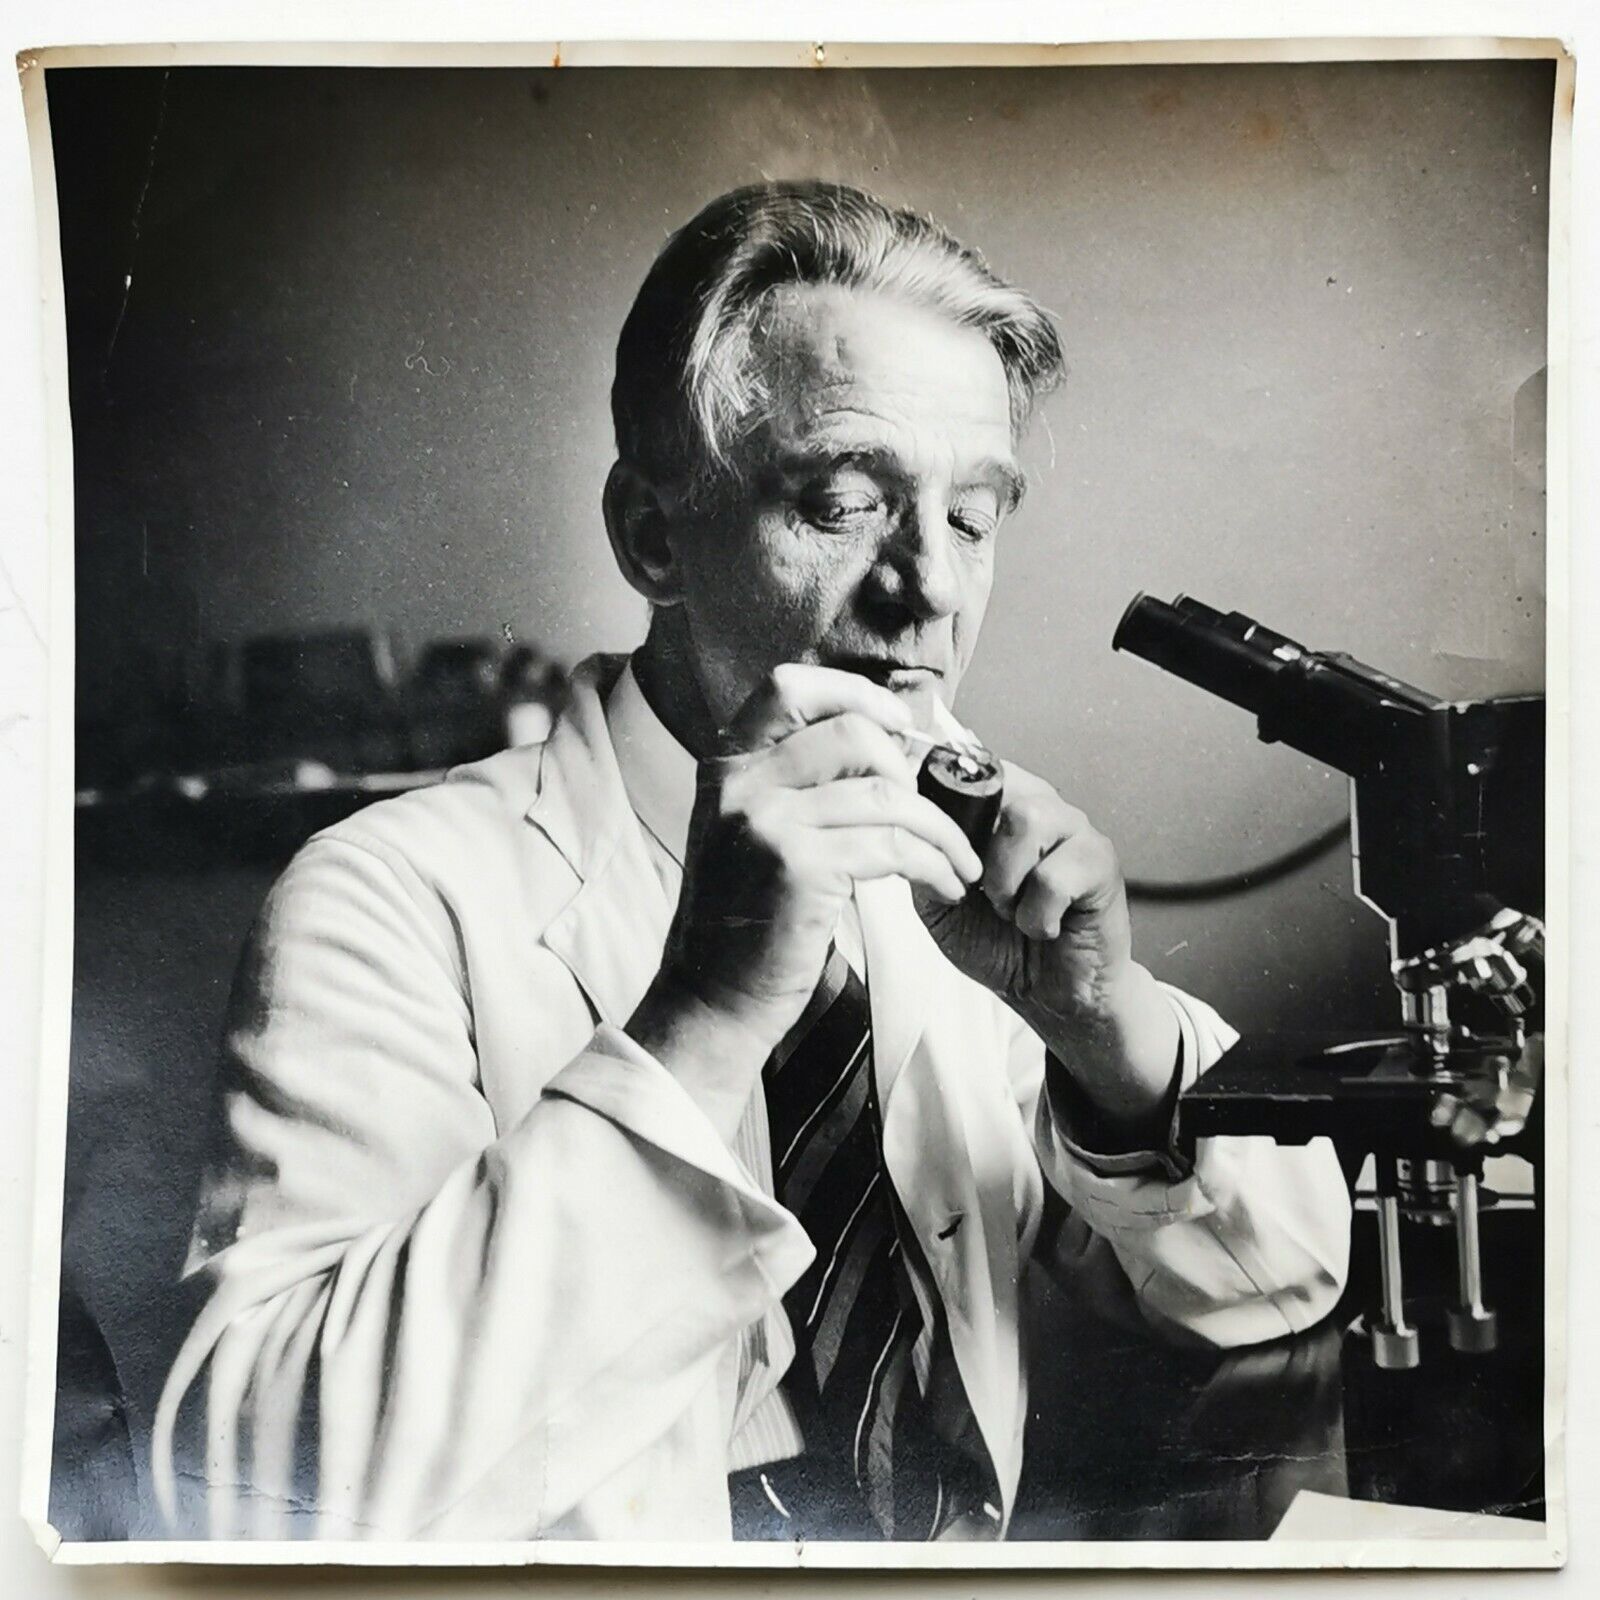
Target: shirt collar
{"points": [[657, 772]]}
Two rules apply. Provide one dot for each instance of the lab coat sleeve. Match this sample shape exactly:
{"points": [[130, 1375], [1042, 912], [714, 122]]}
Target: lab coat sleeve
{"points": [[414, 1323], [1249, 1242]]}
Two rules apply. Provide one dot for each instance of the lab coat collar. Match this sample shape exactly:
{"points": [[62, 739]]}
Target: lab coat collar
{"points": [[658, 772], [582, 808]]}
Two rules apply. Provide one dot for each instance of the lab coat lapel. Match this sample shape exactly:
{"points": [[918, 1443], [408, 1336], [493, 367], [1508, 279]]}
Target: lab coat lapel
{"points": [[949, 1160], [899, 968], [611, 933]]}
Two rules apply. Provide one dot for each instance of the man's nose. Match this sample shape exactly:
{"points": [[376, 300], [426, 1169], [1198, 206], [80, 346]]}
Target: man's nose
{"points": [[918, 564]]}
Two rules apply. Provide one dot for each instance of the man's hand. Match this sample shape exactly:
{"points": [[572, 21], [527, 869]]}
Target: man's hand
{"points": [[1049, 933], [811, 793]]}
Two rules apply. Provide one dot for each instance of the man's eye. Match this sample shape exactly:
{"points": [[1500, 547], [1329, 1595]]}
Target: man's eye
{"points": [[975, 522], [842, 511]]}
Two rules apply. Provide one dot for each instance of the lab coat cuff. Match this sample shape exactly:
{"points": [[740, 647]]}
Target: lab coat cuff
{"points": [[1133, 1190], [1084, 1134]]}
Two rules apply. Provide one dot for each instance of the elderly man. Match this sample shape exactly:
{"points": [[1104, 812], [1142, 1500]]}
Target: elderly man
{"points": [[646, 1134]]}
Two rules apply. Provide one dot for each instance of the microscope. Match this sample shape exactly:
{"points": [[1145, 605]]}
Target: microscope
{"points": [[1447, 826]]}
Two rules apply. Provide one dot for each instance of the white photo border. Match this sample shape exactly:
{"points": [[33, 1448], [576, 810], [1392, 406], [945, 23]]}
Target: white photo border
{"points": [[1545, 1551]]}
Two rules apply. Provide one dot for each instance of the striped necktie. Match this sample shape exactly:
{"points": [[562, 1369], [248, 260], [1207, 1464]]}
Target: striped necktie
{"points": [[854, 1315]]}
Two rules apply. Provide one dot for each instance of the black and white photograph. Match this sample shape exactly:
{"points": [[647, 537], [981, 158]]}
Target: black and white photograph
{"points": [[809, 807]]}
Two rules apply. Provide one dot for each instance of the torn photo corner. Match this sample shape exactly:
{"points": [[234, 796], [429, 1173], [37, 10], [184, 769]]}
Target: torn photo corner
{"points": [[474, 1127]]}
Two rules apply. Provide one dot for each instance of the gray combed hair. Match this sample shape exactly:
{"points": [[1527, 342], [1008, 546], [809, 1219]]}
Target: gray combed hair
{"points": [[685, 393]]}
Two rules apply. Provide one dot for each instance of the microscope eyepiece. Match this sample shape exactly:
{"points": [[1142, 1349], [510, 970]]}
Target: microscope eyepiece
{"points": [[1443, 790], [1226, 654]]}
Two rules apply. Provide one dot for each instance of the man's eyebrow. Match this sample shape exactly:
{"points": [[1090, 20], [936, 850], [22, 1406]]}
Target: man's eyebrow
{"points": [[1010, 478], [992, 471], [865, 458]]}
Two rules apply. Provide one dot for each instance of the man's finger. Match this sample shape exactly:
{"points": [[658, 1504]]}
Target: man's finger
{"points": [[1077, 871], [1026, 832], [848, 745], [885, 851], [796, 694], [873, 801]]}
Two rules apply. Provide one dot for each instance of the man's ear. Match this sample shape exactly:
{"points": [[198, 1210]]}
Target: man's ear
{"points": [[636, 523]]}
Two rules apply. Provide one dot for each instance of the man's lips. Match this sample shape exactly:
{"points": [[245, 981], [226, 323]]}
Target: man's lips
{"points": [[887, 670]]}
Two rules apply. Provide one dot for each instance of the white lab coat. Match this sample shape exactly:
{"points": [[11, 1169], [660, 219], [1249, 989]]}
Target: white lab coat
{"points": [[473, 1265]]}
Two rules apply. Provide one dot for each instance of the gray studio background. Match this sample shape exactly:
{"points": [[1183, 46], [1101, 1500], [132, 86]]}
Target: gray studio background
{"points": [[341, 351]]}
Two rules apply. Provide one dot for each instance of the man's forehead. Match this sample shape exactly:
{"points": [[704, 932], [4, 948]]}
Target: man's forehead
{"points": [[831, 356]]}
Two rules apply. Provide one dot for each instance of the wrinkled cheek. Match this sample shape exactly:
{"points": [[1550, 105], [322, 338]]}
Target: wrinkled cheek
{"points": [[797, 594], [965, 627], [775, 603]]}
